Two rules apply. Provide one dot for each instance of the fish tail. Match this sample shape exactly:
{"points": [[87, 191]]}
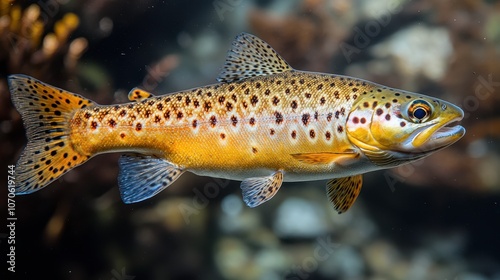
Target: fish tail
{"points": [[46, 112]]}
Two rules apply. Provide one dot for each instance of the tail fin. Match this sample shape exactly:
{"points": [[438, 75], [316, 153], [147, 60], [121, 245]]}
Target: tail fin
{"points": [[46, 112]]}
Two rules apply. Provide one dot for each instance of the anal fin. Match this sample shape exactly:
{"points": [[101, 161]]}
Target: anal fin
{"points": [[258, 190], [137, 94], [142, 176], [344, 191]]}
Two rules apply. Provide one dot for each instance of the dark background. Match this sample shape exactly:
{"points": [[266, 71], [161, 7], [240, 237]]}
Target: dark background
{"points": [[438, 219]]}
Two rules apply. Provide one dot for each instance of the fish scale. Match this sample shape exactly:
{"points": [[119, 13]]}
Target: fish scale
{"points": [[263, 123], [179, 130]]}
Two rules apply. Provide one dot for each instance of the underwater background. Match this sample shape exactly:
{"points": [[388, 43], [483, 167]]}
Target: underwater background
{"points": [[438, 218]]}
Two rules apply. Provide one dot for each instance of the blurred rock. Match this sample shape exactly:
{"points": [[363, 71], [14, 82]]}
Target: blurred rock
{"points": [[300, 218], [417, 50]]}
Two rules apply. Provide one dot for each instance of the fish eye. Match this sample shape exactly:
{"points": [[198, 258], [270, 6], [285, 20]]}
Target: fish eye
{"points": [[419, 111]]}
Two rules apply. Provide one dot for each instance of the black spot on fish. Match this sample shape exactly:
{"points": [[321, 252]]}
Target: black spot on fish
{"points": [[328, 135], [207, 106], [229, 106], [276, 100], [112, 123], [234, 120], [279, 117], [305, 119], [254, 100], [213, 121]]}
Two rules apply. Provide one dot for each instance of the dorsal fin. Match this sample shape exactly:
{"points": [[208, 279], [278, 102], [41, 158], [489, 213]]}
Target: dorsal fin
{"points": [[250, 56]]}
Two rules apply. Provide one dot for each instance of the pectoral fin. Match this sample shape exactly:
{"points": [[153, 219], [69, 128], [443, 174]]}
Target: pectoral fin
{"points": [[258, 190], [344, 191], [326, 157], [137, 94], [142, 176]]}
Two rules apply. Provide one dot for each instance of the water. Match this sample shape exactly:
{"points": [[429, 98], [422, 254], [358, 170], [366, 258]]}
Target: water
{"points": [[434, 219]]}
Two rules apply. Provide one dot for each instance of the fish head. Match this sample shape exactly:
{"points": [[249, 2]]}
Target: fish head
{"points": [[393, 127]]}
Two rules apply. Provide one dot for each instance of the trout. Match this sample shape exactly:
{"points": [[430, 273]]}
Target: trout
{"points": [[263, 123]]}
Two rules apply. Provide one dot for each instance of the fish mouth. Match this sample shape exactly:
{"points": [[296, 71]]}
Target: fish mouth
{"points": [[434, 137]]}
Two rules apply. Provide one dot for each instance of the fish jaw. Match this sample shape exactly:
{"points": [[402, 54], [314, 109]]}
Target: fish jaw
{"points": [[438, 134]]}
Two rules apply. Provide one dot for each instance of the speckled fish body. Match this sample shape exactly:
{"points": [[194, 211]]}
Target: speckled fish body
{"points": [[235, 130], [264, 123]]}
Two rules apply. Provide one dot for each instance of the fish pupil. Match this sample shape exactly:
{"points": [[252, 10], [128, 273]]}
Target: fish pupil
{"points": [[419, 113]]}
